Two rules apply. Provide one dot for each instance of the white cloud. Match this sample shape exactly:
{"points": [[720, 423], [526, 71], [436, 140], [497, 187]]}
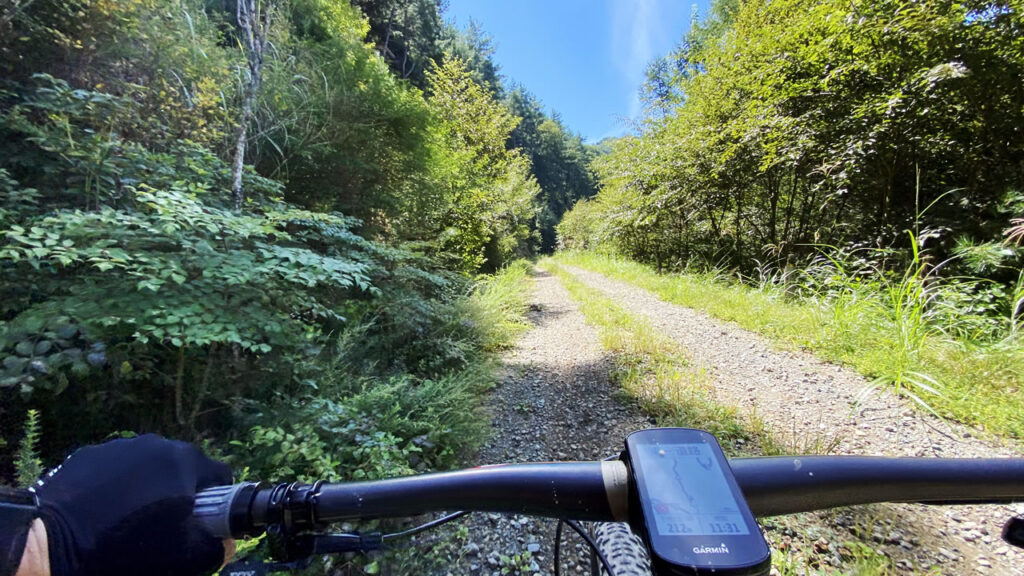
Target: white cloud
{"points": [[637, 27]]}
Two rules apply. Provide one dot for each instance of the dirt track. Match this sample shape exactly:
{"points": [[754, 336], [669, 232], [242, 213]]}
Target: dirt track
{"points": [[809, 404], [556, 402]]}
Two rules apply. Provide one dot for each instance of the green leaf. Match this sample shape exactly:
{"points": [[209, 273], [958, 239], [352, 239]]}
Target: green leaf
{"points": [[24, 348]]}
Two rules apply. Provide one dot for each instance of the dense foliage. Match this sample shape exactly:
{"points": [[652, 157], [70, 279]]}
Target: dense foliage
{"points": [[326, 320], [864, 157], [777, 126], [561, 161]]}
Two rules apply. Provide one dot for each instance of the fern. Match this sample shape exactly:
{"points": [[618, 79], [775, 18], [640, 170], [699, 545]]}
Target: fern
{"points": [[28, 466]]}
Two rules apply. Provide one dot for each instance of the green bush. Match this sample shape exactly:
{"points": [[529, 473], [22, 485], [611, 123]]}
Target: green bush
{"points": [[133, 296]]}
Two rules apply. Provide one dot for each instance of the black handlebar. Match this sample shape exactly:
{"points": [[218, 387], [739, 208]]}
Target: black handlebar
{"points": [[599, 490], [788, 485]]}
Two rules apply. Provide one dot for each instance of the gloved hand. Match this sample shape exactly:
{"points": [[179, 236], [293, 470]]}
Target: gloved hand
{"points": [[125, 507]]}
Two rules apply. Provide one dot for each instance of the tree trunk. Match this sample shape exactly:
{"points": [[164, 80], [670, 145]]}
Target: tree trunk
{"points": [[789, 207], [253, 23], [241, 139]]}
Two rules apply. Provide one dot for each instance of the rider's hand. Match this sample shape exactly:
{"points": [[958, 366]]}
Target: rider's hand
{"points": [[125, 507]]}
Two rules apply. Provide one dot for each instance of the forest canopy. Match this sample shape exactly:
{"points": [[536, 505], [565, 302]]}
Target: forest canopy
{"points": [[777, 128]]}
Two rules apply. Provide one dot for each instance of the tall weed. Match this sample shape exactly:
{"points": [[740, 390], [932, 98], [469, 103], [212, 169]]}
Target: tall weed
{"points": [[498, 303]]}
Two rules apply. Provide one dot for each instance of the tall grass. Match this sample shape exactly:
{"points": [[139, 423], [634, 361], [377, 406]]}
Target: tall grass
{"points": [[912, 331], [498, 304], [1017, 314]]}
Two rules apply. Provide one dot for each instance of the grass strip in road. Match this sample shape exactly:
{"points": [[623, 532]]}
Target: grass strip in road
{"points": [[654, 371], [979, 384]]}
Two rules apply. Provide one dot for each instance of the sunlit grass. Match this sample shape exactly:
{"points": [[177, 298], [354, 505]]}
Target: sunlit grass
{"points": [[498, 305], [888, 329]]}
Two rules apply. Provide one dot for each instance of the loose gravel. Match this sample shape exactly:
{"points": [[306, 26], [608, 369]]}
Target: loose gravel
{"points": [[808, 404], [554, 402]]}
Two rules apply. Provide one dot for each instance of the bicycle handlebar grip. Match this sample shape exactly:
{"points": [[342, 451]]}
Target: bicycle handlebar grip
{"points": [[212, 508]]}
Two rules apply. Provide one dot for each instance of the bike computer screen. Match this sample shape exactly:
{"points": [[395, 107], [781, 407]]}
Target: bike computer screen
{"points": [[694, 516]]}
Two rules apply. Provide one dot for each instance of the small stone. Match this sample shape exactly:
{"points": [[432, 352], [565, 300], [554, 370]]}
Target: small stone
{"points": [[533, 547], [948, 553], [821, 544]]}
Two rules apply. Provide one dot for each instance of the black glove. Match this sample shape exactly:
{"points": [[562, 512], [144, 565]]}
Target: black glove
{"points": [[125, 507]]}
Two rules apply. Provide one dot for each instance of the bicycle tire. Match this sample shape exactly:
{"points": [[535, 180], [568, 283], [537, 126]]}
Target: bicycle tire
{"points": [[626, 553]]}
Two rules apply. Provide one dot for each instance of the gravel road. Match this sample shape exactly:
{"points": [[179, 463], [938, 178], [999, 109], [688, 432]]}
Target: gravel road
{"points": [[808, 402], [554, 402]]}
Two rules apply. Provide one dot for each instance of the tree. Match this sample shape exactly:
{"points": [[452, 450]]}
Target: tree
{"points": [[406, 33], [484, 203], [475, 49], [253, 18], [560, 161], [786, 125]]}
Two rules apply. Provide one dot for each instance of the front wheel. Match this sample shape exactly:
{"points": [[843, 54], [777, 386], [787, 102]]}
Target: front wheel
{"points": [[625, 552]]}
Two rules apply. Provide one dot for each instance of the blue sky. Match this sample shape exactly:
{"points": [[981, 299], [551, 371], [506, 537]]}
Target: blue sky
{"points": [[584, 59]]}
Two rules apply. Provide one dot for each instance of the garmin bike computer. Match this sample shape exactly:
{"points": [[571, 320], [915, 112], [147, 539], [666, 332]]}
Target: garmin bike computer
{"points": [[692, 514]]}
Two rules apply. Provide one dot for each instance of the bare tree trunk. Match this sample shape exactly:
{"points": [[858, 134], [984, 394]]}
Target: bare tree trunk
{"points": [[253, 20], [237, 193], [774, 183], [789, 207]]}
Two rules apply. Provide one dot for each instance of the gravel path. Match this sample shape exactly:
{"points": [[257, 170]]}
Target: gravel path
{"points": [[554, 402], [807, 402]]}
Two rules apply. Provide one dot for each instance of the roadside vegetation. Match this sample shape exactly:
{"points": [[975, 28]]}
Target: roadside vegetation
{"points": [[854, 321], [844, 177], [290, 231]]}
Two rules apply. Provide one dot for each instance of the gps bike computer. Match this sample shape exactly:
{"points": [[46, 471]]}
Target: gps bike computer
{"points": [[692, 514]]}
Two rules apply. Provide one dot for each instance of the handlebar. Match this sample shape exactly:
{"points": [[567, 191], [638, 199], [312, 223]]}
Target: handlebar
{"points": [[599, 491]]}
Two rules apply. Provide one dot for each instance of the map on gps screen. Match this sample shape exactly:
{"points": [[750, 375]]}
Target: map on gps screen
{"points": [[692, 496]]}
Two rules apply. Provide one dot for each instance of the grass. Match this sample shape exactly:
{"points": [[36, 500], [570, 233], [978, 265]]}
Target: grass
{"points": [[498, 303], [893, 330], [496, 307]]}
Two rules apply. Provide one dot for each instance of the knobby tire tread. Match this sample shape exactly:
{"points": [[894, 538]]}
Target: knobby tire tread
{"points": [[624, 550]]}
